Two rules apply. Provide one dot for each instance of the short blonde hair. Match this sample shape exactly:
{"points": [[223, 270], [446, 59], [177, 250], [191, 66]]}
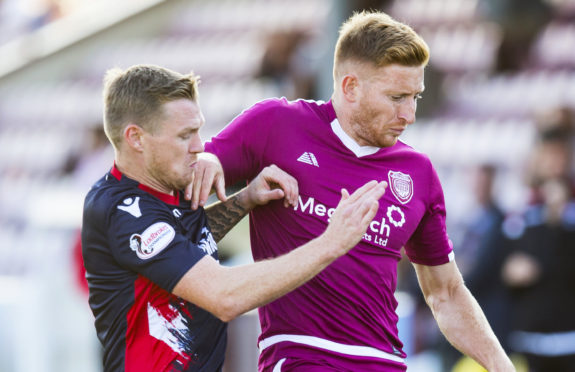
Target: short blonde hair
{"points": [[137, 94], [378, 39]]}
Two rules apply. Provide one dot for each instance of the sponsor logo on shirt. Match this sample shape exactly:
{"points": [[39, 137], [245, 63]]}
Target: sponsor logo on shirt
{"points": [[308, 158], [395, 215], [379, 229], [401, 186], [153, 240], [132, 206]]}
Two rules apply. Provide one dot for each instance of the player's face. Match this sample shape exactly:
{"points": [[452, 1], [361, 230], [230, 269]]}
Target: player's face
{"points": [[386, 105], [172, 149]]}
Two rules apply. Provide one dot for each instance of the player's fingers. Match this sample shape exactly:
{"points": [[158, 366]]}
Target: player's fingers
{"points": [[372, 189], [375, 192], [291, 196], [368, 216], [362, 205], [379, 190], [286, 182], [291, 190], [357, 194], [197, 184], [344, 194], [221, 188], [189, 188], [274, 194], [206, 186]]}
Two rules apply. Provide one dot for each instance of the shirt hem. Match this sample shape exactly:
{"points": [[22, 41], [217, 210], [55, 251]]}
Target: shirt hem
{"points": [[352, 350]]}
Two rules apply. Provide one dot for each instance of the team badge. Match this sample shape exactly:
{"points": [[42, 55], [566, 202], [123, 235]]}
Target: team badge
{"points": [[153, 240], [401, 186]]}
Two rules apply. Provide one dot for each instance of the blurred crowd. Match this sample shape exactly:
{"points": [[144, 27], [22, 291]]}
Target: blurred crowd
{"points": [[538, 250], [19, 17], [518, 264]]}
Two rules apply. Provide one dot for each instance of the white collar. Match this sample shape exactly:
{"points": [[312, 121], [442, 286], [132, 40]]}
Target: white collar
{"points": [[350, 143]]}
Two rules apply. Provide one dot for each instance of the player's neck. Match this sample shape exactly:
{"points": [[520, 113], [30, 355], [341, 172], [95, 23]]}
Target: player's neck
{"points": [[134, 169], [343, 117]]}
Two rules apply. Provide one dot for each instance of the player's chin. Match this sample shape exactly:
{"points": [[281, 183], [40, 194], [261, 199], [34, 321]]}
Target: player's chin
{"points": [[388, 141], [183, 181]]}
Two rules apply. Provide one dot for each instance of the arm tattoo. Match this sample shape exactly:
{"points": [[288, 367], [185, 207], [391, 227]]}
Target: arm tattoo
{"points": [[223, 216]]}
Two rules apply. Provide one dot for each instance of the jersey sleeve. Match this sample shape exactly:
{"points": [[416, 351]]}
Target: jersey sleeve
{"points": [[240, 146], [430, 244], [147, 239]]}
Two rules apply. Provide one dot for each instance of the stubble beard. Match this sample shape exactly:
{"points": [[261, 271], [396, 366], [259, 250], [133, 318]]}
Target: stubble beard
{"points": [[170, 178], [364, 126], [361, 121]]}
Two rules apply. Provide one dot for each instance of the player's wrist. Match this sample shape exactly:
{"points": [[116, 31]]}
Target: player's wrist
{"points": [[245, 199], [503, 366], [498, 362], [332, 245]]}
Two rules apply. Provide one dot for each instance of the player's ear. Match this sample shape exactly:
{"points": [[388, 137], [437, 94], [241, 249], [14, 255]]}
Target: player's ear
{"points": [[133, 136], [350, 87]]}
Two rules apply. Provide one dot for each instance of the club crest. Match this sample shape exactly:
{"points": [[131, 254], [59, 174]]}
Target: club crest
{"points": [[401, 186]]}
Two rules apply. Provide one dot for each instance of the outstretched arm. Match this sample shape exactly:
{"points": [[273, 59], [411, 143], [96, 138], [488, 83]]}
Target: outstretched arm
{"points": [[230, 291], [271, 184], [459, 316]]}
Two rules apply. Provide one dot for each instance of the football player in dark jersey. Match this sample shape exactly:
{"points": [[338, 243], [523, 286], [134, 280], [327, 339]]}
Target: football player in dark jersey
{"points": [[159, 295]]}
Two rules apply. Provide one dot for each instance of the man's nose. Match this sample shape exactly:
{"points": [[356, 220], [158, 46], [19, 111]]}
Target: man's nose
{"points": [[196, 145], [407, 111]]}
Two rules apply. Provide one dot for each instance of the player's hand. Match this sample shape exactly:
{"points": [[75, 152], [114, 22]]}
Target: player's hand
{"points": [[271, 183], [353, 215], [208, 175]]}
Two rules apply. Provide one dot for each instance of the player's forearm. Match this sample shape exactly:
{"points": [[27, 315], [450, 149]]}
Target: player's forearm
{"points": [[265, 281], [223, 216], [463, 323], [252, 286], [229, 292]]}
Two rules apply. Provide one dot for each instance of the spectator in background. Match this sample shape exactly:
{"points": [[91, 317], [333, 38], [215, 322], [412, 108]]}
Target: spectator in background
{"points": [[539, 271], [520, 21], [482, 254], [552, 157], [290, 59], [84, 168], [19, 17], [86, 165], [284, 62]]}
